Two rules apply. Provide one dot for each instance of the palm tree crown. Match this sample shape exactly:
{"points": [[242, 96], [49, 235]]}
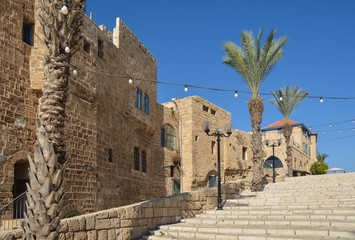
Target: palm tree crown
{"points": [[252, 62], [321, 157], [287, 99]]}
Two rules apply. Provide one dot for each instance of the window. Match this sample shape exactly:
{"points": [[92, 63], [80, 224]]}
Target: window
{"points": [[100, 48], [86, 47], [110, 155], [144, 161], [268, 162], [146, 104], [309, 151], [138, 98], [204, 108], [196, 138], [212, 181], [263, 133], [176, 187], [27, 33], [244, 153], [168, 136], [213, 112], [212, 146], [136, 158], [279, 131]]}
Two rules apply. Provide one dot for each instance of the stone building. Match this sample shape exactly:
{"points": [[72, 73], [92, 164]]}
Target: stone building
{"points": [[113, 150], [122, 146], [199, 151], [303, 143]]}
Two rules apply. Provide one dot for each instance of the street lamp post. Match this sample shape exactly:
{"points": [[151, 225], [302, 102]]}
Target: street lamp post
{"points": [[273, 156], [207, 126]]}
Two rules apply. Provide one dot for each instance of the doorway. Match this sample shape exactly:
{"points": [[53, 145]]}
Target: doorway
{"points": [[20, 179]]}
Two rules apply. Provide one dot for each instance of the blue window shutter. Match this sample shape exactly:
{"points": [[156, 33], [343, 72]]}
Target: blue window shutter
{"points": [[146, 104], [138, 98]]}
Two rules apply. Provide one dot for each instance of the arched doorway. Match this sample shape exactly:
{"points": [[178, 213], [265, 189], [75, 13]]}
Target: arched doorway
{"points": [[20, 179]]}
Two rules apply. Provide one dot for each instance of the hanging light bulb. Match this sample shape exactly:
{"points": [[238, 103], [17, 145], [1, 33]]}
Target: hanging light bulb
{"points": [[281, 98], [236, 94], [324, 132], [130, 81], [321, 100], [65, 9], [186, 89], [330, 125], [67, 49], [75, 71], [353, 121]]}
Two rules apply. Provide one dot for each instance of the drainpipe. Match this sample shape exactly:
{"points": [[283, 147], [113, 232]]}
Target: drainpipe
{"points": [[180, 144]]}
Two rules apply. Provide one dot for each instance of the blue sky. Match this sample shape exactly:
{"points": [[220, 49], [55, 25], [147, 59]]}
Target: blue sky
{"points": [[186, 37]]}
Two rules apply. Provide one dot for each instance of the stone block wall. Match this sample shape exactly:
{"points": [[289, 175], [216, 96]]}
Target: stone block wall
{"points": [[16, 97], [134, 221], [199, 158], [102, 124], [301, 159]]}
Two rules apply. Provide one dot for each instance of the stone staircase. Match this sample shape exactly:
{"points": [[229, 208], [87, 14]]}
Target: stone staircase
{"points": [[311, 207]]}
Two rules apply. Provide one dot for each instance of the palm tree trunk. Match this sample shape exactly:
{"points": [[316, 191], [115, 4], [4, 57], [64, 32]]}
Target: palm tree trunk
{"points": [[287, 131], [45, 191], [53, 101], [256, 108]]}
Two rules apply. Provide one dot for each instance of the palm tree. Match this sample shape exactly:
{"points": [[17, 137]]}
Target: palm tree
{"points": [[61, 36], [254, 63], [319, 166], [286, 100]]}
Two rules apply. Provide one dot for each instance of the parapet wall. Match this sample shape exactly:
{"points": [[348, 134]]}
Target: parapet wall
{"points": [[133, 221]]}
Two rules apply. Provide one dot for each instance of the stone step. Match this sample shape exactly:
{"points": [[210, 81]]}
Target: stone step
{"points": [[339, 224], [292, 200], [202, 231], [282, 210], [243, 237], [321, 177], [348, 216], [289, 204], [288, 192]]}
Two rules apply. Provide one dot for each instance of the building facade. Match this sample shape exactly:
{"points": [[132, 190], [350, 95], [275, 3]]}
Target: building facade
{"points": [[122, 146], [303, 143]]}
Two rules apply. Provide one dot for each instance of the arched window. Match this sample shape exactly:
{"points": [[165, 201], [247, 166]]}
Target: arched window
{"points": [[168, 136], [268, 163]]}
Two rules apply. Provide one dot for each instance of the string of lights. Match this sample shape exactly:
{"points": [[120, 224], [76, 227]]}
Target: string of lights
{"points": [[186, 86], [334, 139], [333, 123], [337, 130]]}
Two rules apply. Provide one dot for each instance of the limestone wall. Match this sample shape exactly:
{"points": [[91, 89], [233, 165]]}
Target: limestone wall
{"points": [[302, 160], [102, 125], [16, 97], [199, 153], [136, 220]]}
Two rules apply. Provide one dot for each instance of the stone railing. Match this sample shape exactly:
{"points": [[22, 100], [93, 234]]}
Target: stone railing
{"points": [[134, 221]]}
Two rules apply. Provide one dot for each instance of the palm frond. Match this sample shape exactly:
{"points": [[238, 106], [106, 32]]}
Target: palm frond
{"points": [[291, 98], [252, 61]]}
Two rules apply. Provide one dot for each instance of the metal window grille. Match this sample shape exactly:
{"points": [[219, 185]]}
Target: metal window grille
{"points": [[136, 158], [144, 161]]}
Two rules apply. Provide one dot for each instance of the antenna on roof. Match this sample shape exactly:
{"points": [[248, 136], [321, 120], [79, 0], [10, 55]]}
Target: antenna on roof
{"points": [[91, 16]]}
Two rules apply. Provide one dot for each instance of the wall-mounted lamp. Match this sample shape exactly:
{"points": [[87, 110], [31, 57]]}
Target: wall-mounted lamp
{"points": [[19, 123]]}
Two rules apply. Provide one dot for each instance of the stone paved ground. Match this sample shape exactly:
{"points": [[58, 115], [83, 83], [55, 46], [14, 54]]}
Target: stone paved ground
{"points": [[312, 207]]}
